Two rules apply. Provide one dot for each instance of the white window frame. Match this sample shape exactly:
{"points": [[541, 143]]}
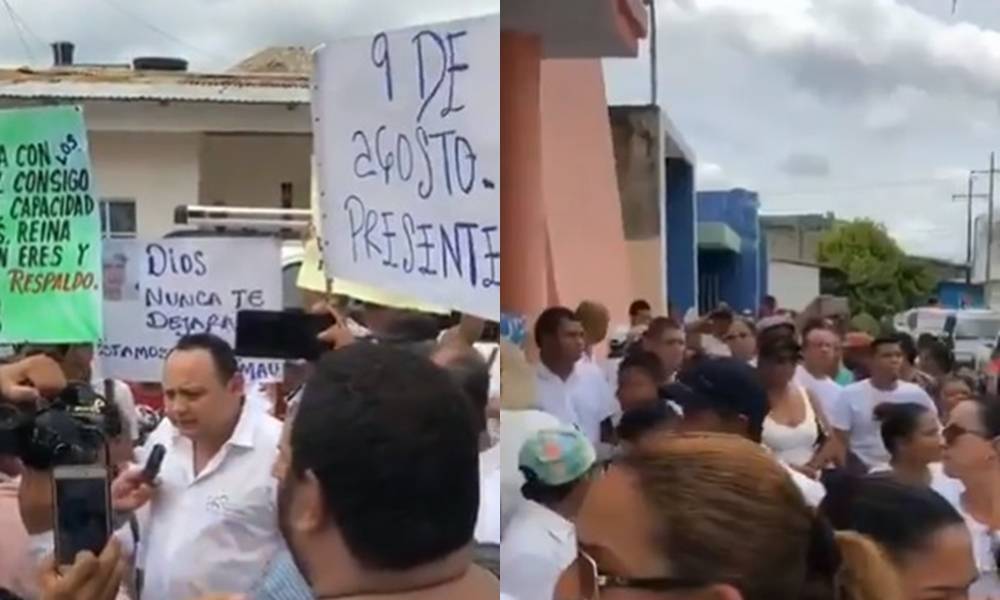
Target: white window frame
{"points": [[105, 208]]}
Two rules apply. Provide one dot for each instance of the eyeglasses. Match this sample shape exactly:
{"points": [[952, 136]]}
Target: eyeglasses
{"points": [[592, 581], [952, 432]]}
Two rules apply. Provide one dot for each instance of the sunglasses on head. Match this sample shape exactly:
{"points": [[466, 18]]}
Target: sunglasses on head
{"points": [[592, 581], [952, 432]]}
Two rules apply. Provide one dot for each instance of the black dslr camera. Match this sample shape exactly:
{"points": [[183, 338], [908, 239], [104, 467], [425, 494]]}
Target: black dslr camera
{"points": [[71, 429]]}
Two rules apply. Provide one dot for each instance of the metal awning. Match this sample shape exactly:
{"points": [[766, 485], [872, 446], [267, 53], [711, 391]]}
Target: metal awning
{"points": [[718, 237]]}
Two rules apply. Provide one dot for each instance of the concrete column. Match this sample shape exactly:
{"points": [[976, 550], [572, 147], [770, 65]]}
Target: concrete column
{"points": [[524, 260]]}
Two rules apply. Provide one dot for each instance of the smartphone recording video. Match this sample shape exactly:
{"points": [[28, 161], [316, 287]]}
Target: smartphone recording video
{"points": [[82, 510], [288, 335]]}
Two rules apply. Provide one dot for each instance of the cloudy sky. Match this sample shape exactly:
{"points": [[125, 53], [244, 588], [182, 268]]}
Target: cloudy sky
{"points": [[862, 107], [872, 108]]}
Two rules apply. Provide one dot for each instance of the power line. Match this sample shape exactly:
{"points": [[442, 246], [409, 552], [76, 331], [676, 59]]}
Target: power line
{"points": [[166, 34], [15, 22], [875, 185]]}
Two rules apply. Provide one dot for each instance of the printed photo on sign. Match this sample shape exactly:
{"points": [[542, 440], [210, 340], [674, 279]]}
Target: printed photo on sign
{"points": [[50, 229], [410, 183], [164, 289], [121, 278]]}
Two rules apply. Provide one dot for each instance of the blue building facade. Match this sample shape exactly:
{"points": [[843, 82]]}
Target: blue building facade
{"points": [[732, 250]]}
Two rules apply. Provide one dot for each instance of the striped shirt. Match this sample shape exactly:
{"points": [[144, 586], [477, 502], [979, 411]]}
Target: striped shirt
{"points": [[282, 581]]}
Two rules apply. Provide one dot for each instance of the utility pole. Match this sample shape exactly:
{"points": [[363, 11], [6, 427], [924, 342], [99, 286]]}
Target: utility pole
{"points": [[654, 55], [969, 197], [989, 222]]}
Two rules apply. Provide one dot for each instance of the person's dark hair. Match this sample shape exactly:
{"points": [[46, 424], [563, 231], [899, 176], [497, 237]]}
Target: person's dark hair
{"points": [[777, 344], [637, 422], [390, 438], [660, 325], [900, 517], [770, 301], [546, 495], [644, 361], [939, 352], [884, 341], [411, 328], [638, 306], [469, 371], [924, 340], [222, 353], [549, 321], [989, 414], [899, 422], [908, 346]]}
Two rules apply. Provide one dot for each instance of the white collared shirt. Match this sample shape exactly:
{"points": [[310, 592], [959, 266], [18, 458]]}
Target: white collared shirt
{"points": [[825, 390], [488, 521], [217, 531], [584, 400], [538, 546]]}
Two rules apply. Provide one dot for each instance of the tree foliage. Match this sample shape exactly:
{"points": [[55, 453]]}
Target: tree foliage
{"points": [[876, 275]]}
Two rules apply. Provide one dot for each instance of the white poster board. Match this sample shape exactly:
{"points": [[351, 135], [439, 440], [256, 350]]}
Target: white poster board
{"points": [[155, 292], [407, 134]]}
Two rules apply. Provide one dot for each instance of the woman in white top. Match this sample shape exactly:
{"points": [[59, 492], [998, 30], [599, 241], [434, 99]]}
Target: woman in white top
{"points": [[971, 455], [794, 427]]}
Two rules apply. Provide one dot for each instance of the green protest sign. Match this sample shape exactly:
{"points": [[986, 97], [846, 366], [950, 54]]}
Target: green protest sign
{"points": [[50, 229]]}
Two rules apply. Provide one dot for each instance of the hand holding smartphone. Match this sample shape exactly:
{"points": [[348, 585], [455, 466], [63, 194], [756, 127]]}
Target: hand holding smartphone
{"points": [[82, 510]]}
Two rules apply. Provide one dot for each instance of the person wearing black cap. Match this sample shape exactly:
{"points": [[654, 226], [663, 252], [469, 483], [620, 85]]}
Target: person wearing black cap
{"points": [[725, 396]]}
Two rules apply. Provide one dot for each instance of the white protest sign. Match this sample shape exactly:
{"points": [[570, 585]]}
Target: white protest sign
{"points": [[407, 133], [157, 291]]}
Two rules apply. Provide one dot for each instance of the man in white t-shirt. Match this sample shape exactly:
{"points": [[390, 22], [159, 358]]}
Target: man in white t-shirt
{"points": [[573, 391], [819, 359], [853, 417]]}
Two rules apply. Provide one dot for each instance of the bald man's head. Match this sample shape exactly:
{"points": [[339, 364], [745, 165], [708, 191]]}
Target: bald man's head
{"points": [[595, 319]]}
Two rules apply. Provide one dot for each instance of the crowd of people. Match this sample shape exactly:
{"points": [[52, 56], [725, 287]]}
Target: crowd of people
{"points": [[736, 458], [382, 480]]}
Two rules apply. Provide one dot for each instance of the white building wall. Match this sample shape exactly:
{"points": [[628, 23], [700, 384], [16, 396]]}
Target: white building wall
{"points": [[248, 170], [158, 170], [794, 285]]}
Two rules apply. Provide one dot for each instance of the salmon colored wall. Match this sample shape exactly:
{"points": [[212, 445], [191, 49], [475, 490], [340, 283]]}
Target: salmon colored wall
{"points": [[580, 189], [524, 281]]}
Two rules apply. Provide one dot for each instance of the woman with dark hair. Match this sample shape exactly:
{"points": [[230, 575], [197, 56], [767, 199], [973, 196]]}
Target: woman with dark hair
{"points": [[923, 535], [713, 517], [972, 455], [796, 424], [912, 436]]}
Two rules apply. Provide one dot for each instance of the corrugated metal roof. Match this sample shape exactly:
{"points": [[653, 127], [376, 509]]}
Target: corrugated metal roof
{"points": [[129, 85]]}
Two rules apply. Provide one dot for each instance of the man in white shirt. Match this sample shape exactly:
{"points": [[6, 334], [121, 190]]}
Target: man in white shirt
{"points": [[541, 539], [574, 392], [212, 520], [666, 339], [819, 360], [853, 416]]}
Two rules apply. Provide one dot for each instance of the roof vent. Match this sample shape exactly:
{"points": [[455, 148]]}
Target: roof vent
{"points": [[159, 63], [62, 54]]}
